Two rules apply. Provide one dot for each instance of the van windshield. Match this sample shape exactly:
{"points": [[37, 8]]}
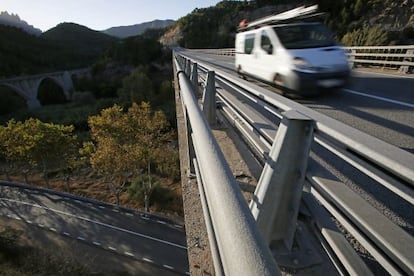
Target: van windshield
{"points": [[301, 36]]}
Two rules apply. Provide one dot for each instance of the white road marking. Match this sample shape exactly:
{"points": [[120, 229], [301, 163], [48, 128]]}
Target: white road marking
{"points": [[29, 221], [52, 229], [111, 248], [129, 254], [379, 98], [66, 234], [18, 218], [147, 260], [41, 225], [161, 222], [80, 238], [115, 210], [144, 218], [129, 214], [102, 207], [78, 201], [97, 243], [99, 223], [167, 266]]}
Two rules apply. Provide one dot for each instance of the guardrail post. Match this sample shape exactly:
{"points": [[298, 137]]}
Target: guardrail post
{"points": [[410, 58], [277, 197], [190, 145], [187, 69], [209, 98], [194, 77], [351, 58]]}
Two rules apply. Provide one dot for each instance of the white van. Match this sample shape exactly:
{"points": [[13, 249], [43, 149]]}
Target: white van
{"points": [[300, 57]]}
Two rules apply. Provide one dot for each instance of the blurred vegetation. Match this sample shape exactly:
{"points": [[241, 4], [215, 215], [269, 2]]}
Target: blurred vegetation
{"points": [[215, 27], [366, 37]]}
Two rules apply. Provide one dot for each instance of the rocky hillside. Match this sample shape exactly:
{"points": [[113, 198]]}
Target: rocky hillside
{"points": [[215, 27], [391, 15], [15, 21], [137, 29]]}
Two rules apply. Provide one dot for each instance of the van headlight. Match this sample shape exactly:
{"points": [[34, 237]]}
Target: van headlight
{"points": [[303, 65]]}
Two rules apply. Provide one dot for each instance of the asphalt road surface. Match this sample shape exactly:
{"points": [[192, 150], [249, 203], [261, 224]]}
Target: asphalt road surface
{"points": [[149, 239], [376, 102]]}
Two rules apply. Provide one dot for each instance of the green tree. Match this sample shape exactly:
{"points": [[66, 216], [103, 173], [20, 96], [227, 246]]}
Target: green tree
{"points": [[137, 87], [15, 147], [44, 146], [142, 188], [127, 144]]}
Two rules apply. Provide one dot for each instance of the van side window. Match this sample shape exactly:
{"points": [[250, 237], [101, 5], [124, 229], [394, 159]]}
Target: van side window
{"points": [[248, 43], [265, 43]]}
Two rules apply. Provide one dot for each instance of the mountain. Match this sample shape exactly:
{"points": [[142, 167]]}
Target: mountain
{"points": [[67, 46], [73, 37], [15, 21], [137, 29]]}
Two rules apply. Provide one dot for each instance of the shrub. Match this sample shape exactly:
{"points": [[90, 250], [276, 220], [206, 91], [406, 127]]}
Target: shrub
{"points": [[366, 37]]}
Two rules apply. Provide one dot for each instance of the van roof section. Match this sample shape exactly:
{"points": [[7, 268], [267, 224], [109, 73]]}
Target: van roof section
{"points": [[298, 14]]}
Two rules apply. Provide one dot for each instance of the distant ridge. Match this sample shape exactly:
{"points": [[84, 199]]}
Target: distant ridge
{"points": [[15, 21], [137, 29]]}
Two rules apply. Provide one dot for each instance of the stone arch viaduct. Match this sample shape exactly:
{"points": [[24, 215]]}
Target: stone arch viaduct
{"points": [[28, 86]]}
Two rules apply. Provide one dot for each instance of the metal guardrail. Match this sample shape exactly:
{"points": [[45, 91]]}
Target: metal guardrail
{"points": [[398, 57], [234, 230], [385, 164], [393, 57]]}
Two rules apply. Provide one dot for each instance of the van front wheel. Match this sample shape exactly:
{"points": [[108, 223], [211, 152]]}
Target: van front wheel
{"points": [[278, 81], [240, 72]]}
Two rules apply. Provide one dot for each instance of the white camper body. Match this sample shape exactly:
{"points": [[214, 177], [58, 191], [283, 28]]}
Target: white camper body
{"points": [[301, 57]]}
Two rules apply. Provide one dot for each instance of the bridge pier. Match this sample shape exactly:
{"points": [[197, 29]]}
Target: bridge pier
{"points": [[33, 103]]}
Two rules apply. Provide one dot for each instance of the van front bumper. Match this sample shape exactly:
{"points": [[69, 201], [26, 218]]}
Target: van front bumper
{"points": [[307, 83]]}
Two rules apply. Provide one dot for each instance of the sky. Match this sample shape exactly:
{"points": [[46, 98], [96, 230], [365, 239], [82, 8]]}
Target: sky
{"points": [[99, 14]]}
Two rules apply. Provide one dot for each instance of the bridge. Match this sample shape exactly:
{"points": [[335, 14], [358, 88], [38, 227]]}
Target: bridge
{"points": [[275, 186], [28, 86], [334, 193]]}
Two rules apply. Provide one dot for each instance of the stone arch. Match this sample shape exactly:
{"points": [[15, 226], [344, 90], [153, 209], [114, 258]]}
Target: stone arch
{"points": [[53, 95], [16, 89]]}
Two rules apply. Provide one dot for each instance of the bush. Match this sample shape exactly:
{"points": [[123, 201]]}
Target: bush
{"points": [[374, 36], [83, 98]]}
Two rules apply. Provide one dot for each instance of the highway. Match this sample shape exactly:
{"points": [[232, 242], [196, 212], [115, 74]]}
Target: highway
{"points": [[150, 239], [376, 103]]}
